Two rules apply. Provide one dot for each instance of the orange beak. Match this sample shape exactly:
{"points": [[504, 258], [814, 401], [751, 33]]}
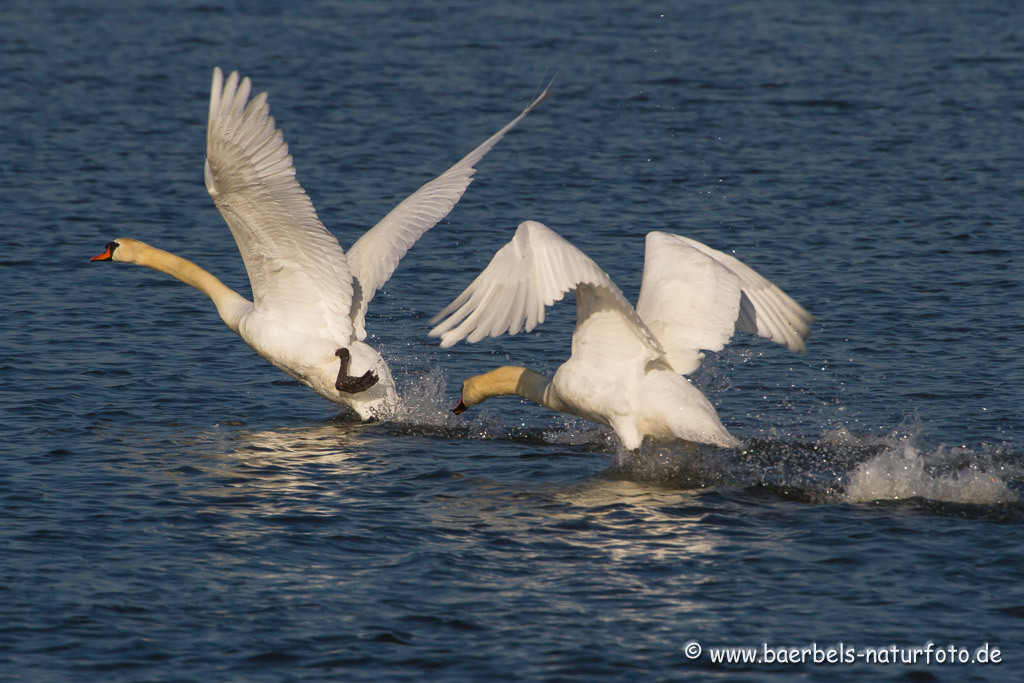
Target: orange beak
{"points": [[105, 256], [461, 408]]}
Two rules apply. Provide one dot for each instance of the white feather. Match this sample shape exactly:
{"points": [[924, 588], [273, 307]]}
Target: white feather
{"points": [[307, 306], [297, 269], [375, 255], [626, 365]]}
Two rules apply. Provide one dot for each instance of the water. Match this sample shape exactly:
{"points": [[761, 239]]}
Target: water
{"points": [[174, 508]]}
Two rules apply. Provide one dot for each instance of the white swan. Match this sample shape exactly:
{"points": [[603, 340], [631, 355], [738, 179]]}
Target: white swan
{"points": [[309, 296], [627, 364]]}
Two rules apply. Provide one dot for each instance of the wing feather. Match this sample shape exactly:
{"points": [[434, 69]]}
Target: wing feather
{"points": [[534, 270], [769, 311], [694, 297], [297, 269], [374, 257]]}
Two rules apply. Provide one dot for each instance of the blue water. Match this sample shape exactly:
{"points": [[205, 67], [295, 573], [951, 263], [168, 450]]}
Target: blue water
{"points": [[173, 508]]}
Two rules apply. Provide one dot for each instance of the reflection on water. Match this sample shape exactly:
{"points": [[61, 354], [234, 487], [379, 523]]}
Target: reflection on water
{"points": [[841, 467], [671, 519], [334, 442], [270, 472]]}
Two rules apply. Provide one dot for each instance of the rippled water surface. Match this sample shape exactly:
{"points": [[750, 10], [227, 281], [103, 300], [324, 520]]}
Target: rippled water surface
{"points": [[173, 508]]}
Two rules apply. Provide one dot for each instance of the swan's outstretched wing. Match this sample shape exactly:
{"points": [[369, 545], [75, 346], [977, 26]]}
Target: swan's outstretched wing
{"points": [[531, 272], [297, 269], [694, 297], [374, 257]]}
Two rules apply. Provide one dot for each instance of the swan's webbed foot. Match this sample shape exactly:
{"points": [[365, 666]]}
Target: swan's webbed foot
{"points": [[346, 382]]}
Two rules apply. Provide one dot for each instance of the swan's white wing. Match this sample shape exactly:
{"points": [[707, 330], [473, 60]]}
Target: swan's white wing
{"points": [[694, 297], [374, 257], [531, 272], [297, 269]]}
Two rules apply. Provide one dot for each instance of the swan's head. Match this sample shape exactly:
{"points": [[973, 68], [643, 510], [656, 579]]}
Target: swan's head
{"points": [[466, 398], [123, 249]]}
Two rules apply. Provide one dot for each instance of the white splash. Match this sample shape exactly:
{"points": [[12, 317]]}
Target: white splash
{"points": [[575, 431], [424, 400], [903, 471], [426, 404]]}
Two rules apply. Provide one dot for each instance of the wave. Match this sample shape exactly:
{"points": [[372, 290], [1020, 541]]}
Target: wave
{"points": [[840, 467], [954, 475]]}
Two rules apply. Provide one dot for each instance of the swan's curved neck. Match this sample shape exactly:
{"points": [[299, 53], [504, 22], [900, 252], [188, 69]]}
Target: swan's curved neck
{"points": [[230, 304], [511, 380]]}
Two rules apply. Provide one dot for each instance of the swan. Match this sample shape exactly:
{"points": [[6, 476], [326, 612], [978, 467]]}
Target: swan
{"points": [[627, 364], [309, 296]]}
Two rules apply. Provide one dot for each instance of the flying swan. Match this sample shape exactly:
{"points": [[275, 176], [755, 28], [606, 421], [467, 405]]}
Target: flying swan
{"points": [[309, 296], [626, 366]]}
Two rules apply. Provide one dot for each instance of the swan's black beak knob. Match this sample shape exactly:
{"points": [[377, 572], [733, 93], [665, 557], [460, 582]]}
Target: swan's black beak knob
{"points": [[107, 255], [459, 409]]}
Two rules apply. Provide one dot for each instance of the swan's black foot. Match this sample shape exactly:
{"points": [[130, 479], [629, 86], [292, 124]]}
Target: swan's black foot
{"points": [[346, 382]]}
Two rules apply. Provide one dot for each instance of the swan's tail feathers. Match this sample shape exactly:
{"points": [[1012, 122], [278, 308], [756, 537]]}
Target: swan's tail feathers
{"points": [[684, 412]]}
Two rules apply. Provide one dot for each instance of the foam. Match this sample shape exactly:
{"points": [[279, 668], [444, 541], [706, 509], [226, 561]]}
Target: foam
{"points": [[954, 475]]}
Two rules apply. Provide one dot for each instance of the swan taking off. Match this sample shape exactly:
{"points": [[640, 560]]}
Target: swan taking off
{"points": [[309, 296], [626, 366]]}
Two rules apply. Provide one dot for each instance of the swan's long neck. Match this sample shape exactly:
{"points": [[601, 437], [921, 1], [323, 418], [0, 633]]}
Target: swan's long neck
{"points": [[230, 304], [507, 381]]}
